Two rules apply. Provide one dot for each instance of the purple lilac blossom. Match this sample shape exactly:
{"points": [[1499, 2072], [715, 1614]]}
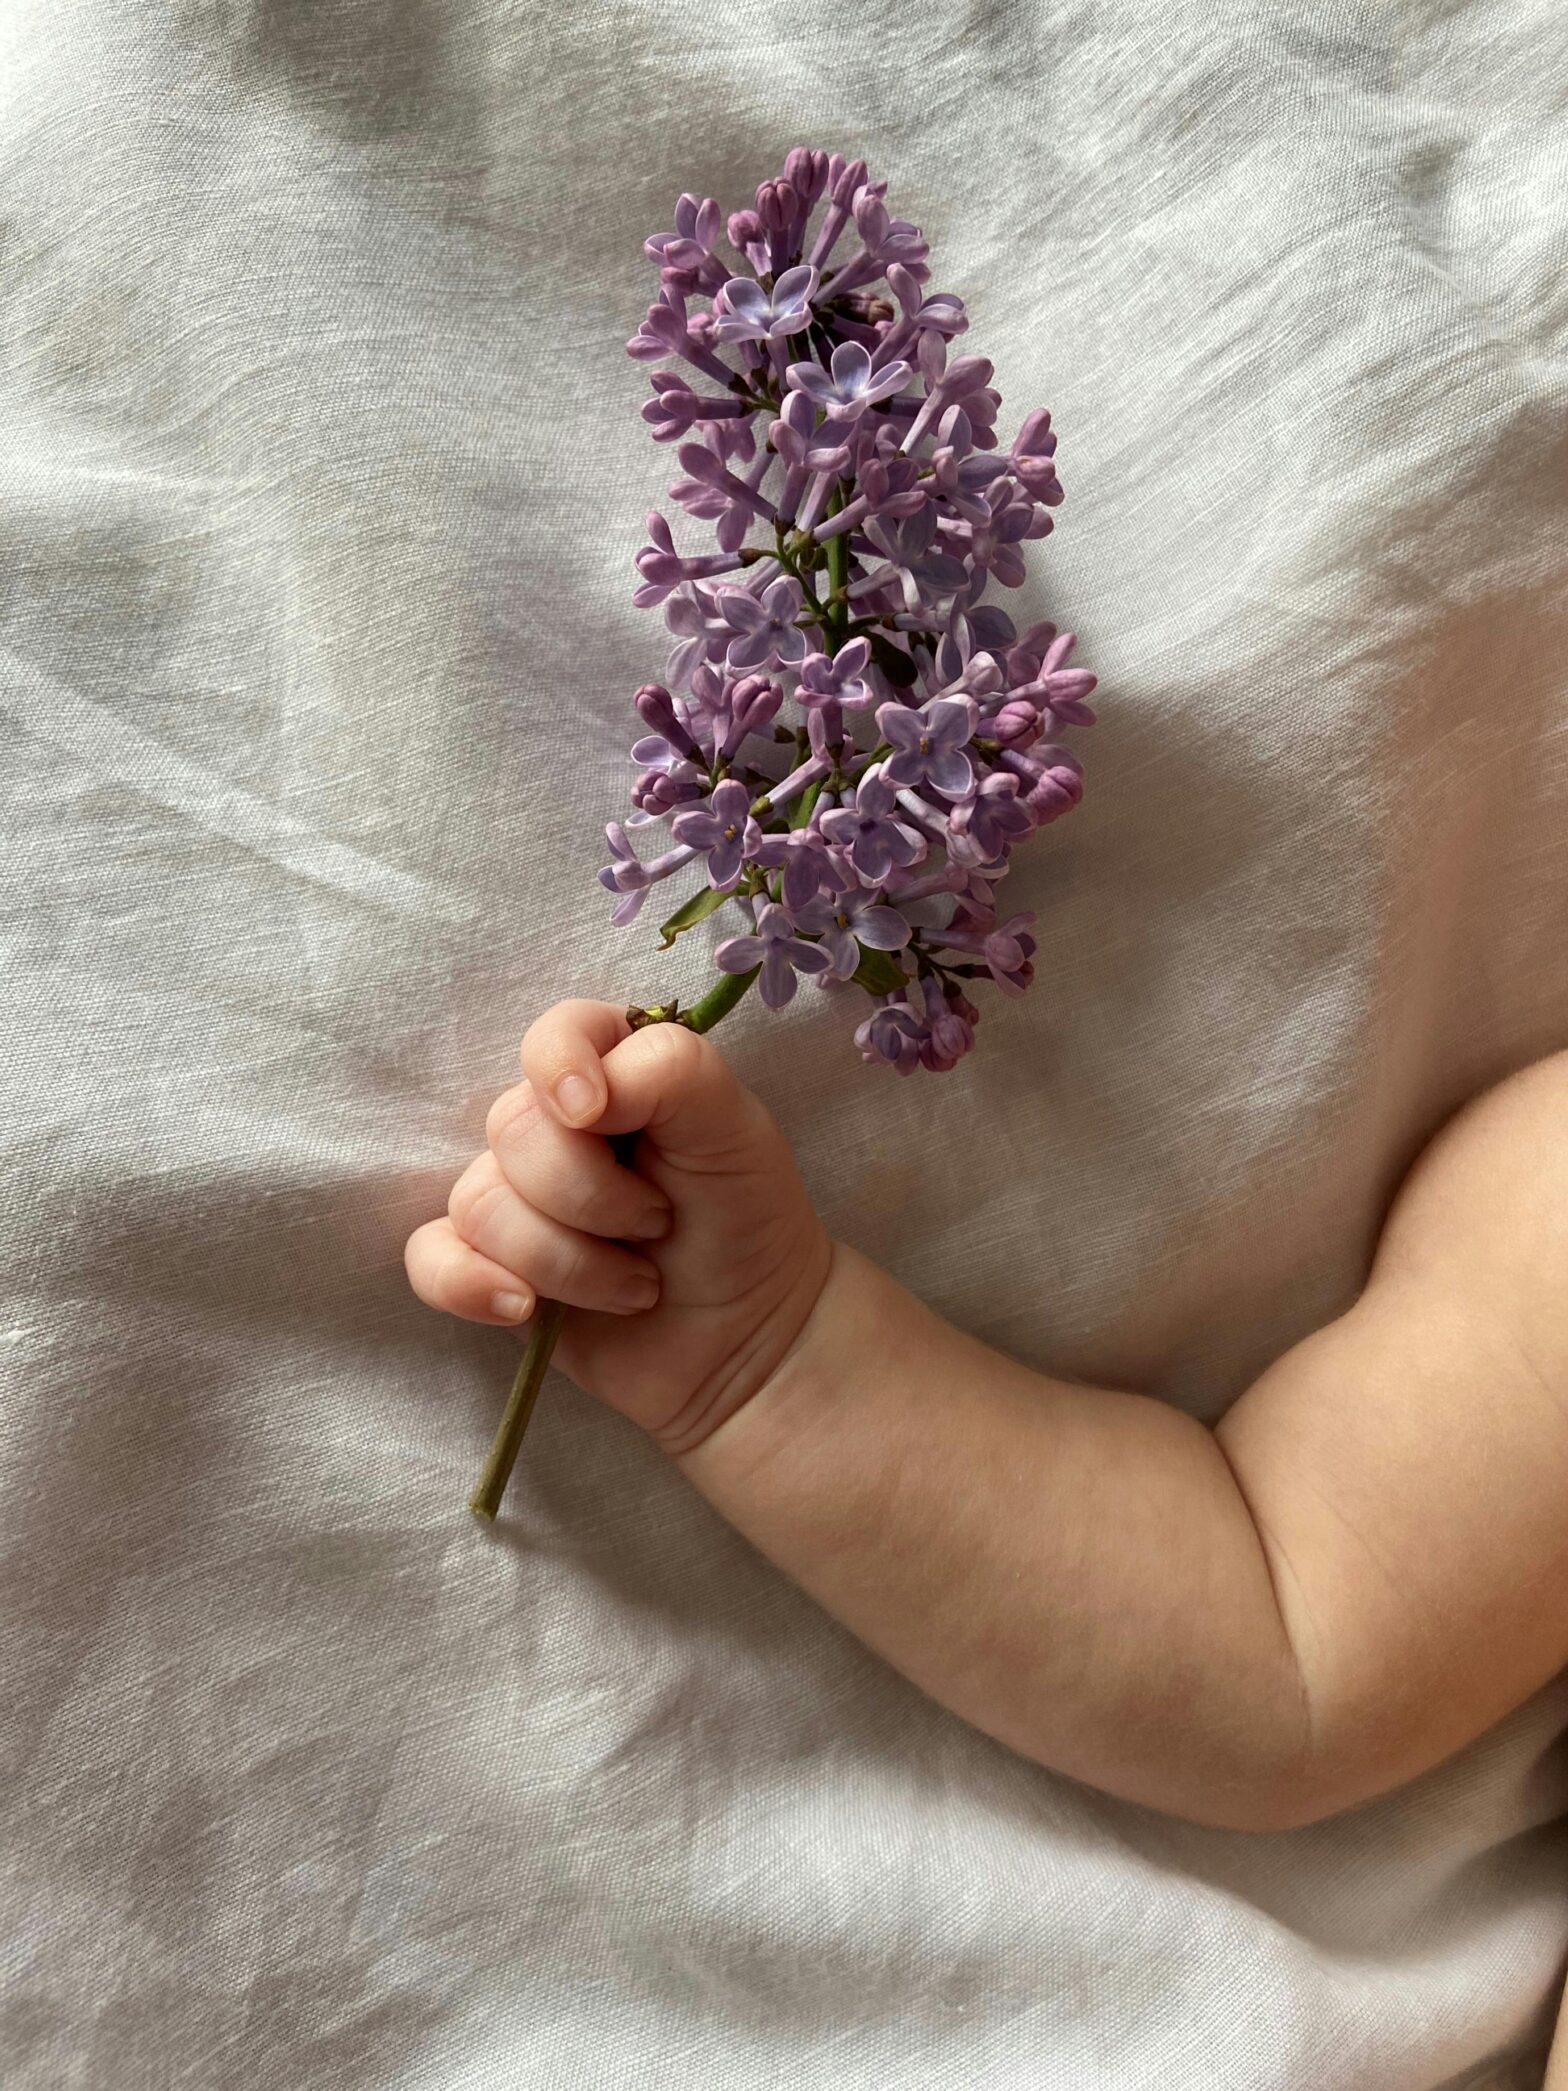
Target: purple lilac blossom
{"points": [[719, 831], [869, 833], [777, 950], [747, 312], [850, 740]]}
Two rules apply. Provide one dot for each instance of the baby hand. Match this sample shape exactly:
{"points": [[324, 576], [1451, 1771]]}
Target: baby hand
{"points": [[689, 1272]]}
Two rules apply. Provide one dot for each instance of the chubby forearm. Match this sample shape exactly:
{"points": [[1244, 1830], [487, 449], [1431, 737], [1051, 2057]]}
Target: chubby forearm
{"points": [[1073, 1570]]}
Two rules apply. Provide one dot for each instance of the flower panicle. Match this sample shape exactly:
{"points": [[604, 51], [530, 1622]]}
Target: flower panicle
{"points": [[849, 742]]}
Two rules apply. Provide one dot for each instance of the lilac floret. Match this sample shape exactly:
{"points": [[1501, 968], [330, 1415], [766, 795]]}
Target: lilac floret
{"points": [[839, 680], [747, 312], [765, 627], [718, 830], [844, 921], [928, 745], [849, 384], [869, 833], [778, 951]]}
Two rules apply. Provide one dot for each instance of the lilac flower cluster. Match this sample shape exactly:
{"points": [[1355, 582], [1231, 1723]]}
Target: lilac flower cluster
{"points": [[848, 741]]}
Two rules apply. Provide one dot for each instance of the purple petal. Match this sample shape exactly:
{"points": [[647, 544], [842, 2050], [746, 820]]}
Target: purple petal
{"points": [[777, 984], [883, 929], [794, 288], [811, 379], [724, 862], [898, 724], [814, 916], [851, 366], [843, 952], [746, 297], [871, 856], [950, 771], [741, 610], [653, 752], [887, 382], [802, 879], [733, 527], [690, 654], [697, 829], [739, 954], [951, 722], [749, 649], [908, 844]]}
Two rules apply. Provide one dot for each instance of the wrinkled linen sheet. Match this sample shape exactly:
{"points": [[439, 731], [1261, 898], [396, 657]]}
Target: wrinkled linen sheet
{"points": [[322, 474]]}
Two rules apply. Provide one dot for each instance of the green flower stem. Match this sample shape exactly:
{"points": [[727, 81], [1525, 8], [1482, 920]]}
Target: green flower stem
{"points": [[836, 620], [549, 1314], [717, 1003], [486, 1498]]}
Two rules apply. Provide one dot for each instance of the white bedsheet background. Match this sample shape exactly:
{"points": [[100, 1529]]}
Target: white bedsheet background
{"points": [[321, 476]]}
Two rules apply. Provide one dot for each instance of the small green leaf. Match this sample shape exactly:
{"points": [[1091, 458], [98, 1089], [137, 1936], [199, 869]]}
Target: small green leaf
{"points": [[707, 902], [879, 972], [893, 661]]}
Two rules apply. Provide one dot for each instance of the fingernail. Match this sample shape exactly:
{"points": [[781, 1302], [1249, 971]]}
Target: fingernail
{"points": [[653, 1226], [511, 1306], [638, 1294], [578, 1098]]}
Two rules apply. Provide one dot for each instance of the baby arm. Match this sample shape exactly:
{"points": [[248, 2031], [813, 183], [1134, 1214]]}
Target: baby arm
{"points": [[1361, 1568]]}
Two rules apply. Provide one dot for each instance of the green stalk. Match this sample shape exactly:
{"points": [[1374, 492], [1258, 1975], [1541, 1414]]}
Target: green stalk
{"points": [[486, 1498], [549, 1314], [836, 620], [718, 1001]]}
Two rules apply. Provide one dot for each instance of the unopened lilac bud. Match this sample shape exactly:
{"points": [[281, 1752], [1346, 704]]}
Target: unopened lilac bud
{"points": [[1016, 725], [754, 701], [871, 219], [775, 207], [661, 791], [1055, 792], [966, 374], [850, 176], [656, 708], [807, 172], [946, 1036], [1033, 457], [744, 230]]}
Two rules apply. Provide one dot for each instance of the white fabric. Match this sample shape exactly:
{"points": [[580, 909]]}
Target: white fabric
{"points": [[322, 474]]}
